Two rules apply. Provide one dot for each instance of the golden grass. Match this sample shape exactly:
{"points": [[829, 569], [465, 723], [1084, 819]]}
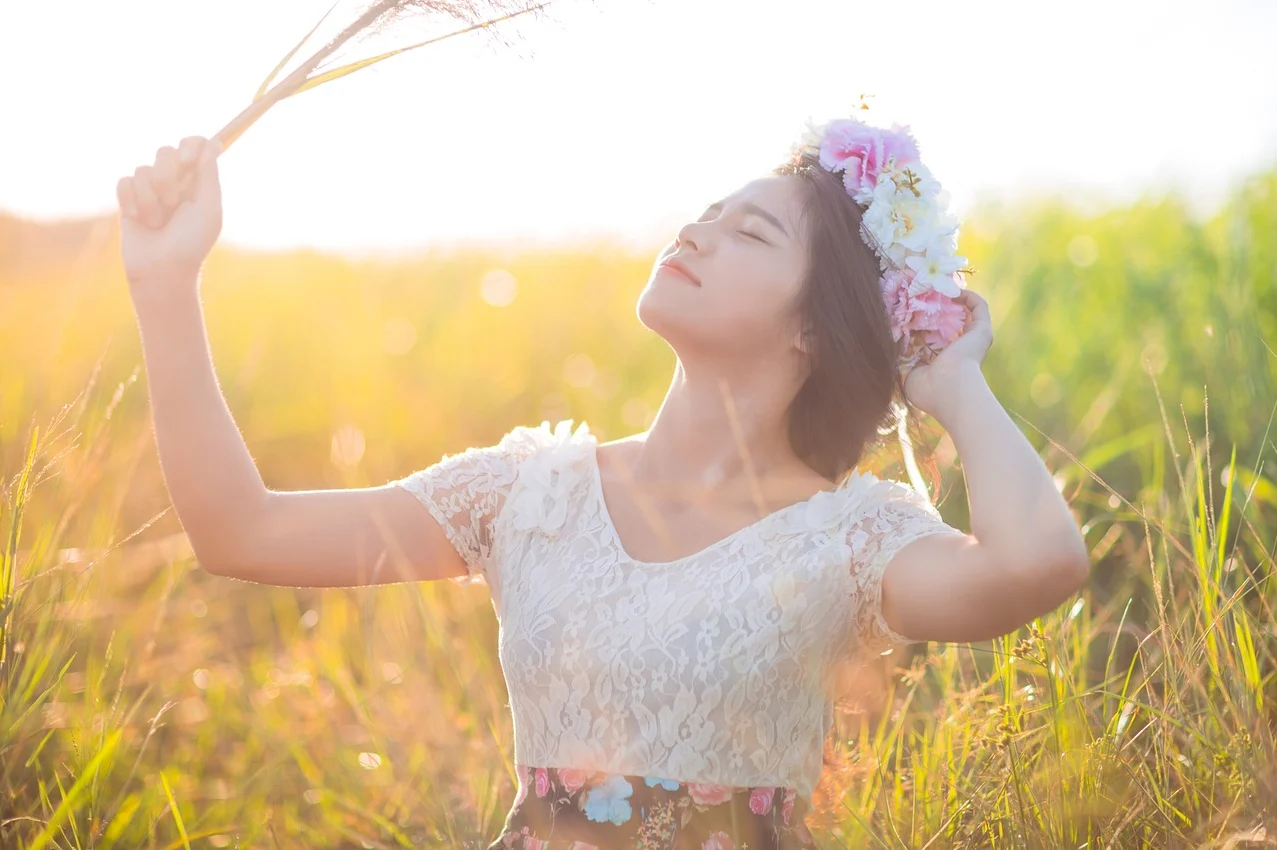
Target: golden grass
{"points": [[148, 704]]}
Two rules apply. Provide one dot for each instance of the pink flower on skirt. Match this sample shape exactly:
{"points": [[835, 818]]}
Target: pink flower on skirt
{"points": [[760, 800], [525, 840], [572, 778], [543, 782], [709, 795], [718, 841]]}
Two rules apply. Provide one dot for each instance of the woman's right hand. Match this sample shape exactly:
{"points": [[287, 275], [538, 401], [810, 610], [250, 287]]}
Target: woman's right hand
{"points": [[170, 216]]}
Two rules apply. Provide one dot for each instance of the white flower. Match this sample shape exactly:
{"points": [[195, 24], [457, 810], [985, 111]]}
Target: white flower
{"points": [[902, 224], [897, 179], [540, 501], [934, 268]]}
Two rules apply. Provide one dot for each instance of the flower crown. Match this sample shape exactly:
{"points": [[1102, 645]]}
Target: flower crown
{"points": [[906, 224]]}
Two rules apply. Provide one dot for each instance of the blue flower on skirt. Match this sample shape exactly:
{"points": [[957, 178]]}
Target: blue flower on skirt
{"points": [[607, 801], [667, 784]]}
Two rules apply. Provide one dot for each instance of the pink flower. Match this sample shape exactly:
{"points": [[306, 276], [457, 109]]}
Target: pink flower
{"points": [[860, 151], [709, 795], [530, 841], [895, 294], [718, 841], [787, 805], [760, 800], [543, 782], [938, 318], [572, 778]]}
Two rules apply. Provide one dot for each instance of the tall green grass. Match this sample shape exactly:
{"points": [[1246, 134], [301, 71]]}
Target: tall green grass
{"points": [[144, 703]]}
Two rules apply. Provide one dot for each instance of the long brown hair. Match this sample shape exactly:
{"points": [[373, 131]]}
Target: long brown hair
{"points": [[850, 398]]}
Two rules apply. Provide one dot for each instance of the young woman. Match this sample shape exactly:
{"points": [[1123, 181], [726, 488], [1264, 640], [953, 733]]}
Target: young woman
{"points": [[672, 603]]}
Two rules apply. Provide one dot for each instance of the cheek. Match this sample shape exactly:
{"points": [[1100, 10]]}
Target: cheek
{"points": [[766, 283], [754, 305]]}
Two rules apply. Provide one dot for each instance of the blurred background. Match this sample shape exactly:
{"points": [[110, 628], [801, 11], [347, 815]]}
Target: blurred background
{"points": [[420, 256]]}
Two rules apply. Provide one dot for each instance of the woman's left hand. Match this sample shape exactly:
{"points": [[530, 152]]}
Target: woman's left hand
{"points": [[933, 387]]}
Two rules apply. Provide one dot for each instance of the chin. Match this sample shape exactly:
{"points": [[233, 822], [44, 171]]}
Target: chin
{"points": [[669, 318]]}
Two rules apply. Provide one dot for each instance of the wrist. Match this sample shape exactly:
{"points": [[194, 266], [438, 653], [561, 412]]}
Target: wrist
{"points": [[963, 385], [163, 290]]}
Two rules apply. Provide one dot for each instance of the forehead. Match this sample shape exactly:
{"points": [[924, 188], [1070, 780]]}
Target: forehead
{"points": [[780, 190]]}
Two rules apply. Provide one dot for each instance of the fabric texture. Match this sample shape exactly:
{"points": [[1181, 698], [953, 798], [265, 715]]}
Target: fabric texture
{"points": [[716, 668]]}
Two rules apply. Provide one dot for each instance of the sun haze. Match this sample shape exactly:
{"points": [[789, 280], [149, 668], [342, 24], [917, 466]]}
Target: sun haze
{"points": [[624, 118]]}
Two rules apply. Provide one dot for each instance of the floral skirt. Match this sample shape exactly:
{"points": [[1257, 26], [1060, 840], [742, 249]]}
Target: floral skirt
{"points": [[568, 809]]}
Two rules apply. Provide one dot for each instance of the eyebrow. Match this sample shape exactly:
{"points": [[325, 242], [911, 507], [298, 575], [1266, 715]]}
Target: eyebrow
{"points": [[757, 210]]}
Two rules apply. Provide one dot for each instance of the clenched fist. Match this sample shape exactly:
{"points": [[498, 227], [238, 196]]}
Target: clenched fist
{"points": [[170, 216]]}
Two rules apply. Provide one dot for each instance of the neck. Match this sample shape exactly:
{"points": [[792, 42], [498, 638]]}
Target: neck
{"points": [[716, 435]]}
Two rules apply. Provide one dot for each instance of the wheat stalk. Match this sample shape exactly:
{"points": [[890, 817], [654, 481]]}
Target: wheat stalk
{"points": [[380, 15]]}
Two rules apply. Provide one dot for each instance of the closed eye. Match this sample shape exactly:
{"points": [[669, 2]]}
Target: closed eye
{"points": [[702, 220]]}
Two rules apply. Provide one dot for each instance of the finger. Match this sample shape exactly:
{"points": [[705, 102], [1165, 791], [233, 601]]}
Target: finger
{"points": [[128, 201], [976, 302], [150, 211], [188, 157], [210, 185], [189, 149], [164, 177]]}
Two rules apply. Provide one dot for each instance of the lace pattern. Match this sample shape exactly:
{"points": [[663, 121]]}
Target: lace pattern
{"points": [[715, 668], [465, 492], [895, 515]]}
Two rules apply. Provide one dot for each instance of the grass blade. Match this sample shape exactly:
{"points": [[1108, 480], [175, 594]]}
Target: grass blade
{"points": [[261, 90]]}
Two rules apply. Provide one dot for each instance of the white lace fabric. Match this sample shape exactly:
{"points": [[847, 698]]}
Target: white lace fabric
{"points": [[714, 668]]}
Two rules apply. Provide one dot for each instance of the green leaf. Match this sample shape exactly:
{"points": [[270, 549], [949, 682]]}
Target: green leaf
{"points": [[69, 799]]}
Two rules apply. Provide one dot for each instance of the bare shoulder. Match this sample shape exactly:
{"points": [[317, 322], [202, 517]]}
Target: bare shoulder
{"points": [[617, 455]]}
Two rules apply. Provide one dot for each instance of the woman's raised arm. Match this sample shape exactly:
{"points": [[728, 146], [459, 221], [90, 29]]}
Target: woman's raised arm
{"points": [[170, 218]]}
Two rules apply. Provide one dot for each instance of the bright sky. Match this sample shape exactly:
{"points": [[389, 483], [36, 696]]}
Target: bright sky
{"points": [[628, 117]]}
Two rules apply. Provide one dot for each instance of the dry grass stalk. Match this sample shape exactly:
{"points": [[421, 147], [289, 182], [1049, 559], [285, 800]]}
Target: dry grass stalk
{"points": [[379, 16]]}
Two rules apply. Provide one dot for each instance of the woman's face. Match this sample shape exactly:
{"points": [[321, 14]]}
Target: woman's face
{"points": [[749, 253]]}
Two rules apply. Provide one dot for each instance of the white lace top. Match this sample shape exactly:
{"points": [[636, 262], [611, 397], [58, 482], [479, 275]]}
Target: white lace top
{"points": [[714, 668]]}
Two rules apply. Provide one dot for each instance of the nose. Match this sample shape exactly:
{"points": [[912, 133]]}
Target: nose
{"points": [[686, 235]]}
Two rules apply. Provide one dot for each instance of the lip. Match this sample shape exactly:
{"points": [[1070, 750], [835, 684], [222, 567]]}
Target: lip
{"points": [[681, 269]]}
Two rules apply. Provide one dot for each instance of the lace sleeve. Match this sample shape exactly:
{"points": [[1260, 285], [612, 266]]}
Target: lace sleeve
{"points": [[465, 492], [896, 516]]}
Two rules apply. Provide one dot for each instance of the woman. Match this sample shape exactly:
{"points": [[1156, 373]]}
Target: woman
{"points": [[673, 603]]}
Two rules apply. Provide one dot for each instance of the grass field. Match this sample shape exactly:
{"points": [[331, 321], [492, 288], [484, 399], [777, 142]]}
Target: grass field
{"points": [[147, 704]]}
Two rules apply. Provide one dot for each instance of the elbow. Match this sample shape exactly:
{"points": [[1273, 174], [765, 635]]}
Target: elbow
{"points": [[1055, 573], [220, 567], [218, 559], [1073, 562], [1074, 574], [227, 547]]}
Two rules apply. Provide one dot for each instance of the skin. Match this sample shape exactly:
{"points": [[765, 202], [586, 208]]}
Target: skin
{"points": [[714, 459], [735, 340]]}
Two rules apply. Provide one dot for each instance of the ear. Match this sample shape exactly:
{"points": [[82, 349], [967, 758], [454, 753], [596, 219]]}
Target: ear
{"points": [[804, 341]]}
